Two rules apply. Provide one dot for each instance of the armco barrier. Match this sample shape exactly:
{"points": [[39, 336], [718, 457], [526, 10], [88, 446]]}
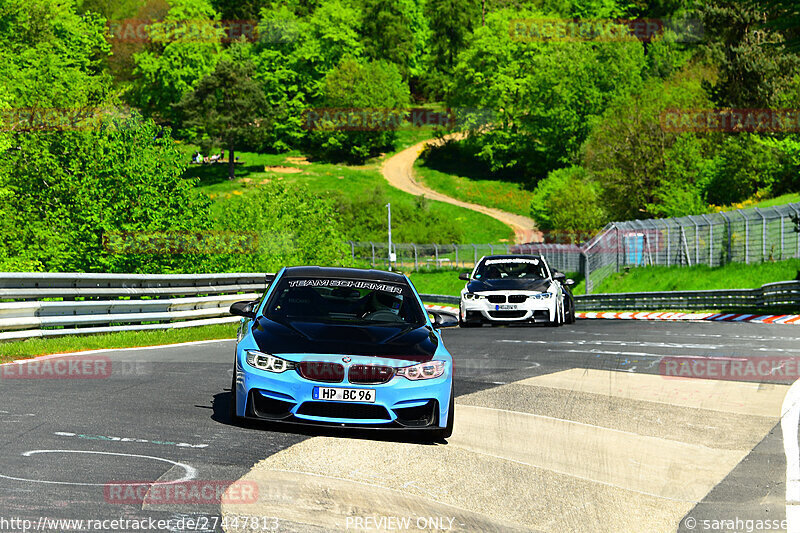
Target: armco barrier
{"points": [[782, 295], [48, 305], [45, 305]]}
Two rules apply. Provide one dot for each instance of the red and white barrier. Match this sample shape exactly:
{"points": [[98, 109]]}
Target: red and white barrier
{"points": [[717, 317]]}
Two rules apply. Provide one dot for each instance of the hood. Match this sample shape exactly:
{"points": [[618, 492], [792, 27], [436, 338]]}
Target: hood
{"points": [[540, 285], [319, 338]]}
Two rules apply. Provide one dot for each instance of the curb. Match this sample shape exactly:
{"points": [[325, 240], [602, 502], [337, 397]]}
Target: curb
{"points": [[716, 317]]}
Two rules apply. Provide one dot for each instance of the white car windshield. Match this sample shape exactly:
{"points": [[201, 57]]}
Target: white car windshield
{"points": [[512, 269]]}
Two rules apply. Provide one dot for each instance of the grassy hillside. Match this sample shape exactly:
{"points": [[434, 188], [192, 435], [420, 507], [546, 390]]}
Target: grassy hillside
{"points": [[506, 195], [349, 183]]}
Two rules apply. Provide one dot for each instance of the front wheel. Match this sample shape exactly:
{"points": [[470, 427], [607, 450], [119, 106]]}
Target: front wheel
{"points": [[232, 412], [464, 323], [447, 431]]}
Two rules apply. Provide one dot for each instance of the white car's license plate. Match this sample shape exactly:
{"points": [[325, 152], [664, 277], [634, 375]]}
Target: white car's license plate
{"points": [[344, 395], [505, 307]]}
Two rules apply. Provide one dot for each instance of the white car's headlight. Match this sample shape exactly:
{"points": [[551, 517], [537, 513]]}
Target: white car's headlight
{"points": [[541, 296], [268, 362], [429, 370]]}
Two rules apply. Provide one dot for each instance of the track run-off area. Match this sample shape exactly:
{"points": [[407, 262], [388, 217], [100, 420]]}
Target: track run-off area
{"points": [[564, 429]]}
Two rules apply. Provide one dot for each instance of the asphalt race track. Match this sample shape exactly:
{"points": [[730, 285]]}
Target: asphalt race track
{"points": [[557, 429]]}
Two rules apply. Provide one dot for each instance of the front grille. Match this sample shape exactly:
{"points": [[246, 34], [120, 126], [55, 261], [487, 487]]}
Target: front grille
{"points": [[497, 298], [344, 410], [370, 374], [517, 298], [321, 371], [507, 314]]}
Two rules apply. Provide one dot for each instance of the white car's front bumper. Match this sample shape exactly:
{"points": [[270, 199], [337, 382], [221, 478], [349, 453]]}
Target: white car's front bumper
{"points": [[508, 307]]}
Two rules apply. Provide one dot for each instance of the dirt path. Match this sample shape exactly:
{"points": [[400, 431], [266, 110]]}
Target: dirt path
{"points": [[399, 172]]}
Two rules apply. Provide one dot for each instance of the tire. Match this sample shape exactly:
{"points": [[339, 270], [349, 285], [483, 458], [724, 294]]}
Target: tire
{"points": [[464, 323], [447, 431], [559, 318], [571, 315], [235, 418]]}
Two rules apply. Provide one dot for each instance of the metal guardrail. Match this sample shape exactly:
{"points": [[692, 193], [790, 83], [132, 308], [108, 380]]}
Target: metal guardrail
{"points": [[57, 304], [48, 305], [784, 294]]}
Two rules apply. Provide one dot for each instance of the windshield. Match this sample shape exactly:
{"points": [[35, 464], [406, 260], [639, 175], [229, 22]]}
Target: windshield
{"points": [[518, 268], [344, 301]]}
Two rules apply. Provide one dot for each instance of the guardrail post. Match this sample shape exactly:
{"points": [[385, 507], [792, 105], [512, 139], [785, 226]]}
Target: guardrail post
{"points": [[710, 239], [797, 243], [416, 263], [352, 250], [373, 252], [781, 217], [455, 247], [763, 235], [475, 248], [696, 241], [746, 238], [436, 251], [491, 250], [730, 236]]}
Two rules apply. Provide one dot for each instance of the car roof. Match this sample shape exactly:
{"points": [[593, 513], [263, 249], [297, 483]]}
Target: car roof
{"points": [[519, 256], [343, 273]]}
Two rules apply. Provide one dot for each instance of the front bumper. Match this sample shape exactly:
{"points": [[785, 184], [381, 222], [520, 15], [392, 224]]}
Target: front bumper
{"points": [[288, 396], [478, 310]]}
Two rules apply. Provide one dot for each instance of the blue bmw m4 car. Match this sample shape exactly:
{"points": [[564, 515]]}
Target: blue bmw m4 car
{"points": [[344, 347]]}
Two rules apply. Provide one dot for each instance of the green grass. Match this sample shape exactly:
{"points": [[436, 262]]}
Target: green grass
{"points": [[438, 281], [337, 178], [505, 195], [701, 277], [12, 350]]}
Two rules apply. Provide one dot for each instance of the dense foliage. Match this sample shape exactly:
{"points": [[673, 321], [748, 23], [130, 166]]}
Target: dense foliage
{"points": [[97, 95]]}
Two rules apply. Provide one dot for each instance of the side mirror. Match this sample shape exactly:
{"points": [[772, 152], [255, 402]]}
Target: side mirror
{"points": [[464, 276], [569, 282], [559, 276], [244, 309], [442, 320]]}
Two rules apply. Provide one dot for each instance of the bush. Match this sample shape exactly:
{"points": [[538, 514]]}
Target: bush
{"points": [[293, 227], [68, 189], [566, 201]]}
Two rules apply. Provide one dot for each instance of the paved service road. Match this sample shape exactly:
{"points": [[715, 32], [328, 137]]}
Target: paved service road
{"points": [[557, 429]]}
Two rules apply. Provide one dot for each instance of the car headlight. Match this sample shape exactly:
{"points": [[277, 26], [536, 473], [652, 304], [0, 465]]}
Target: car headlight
{"points": [[541, 296], [429, 370], [469, 296], [268, 362]]}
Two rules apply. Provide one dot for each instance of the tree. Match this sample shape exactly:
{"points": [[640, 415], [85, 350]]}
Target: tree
{"points": [[228, 105], [358, 87], [183, 48], [72, 188], [544, 94], [754, 64], [387, 33]]}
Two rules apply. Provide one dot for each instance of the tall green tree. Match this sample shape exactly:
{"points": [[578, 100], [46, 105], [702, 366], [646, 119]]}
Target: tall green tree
{"points": [[754, 64], [228, 105], [387, 33], [182, 49]]}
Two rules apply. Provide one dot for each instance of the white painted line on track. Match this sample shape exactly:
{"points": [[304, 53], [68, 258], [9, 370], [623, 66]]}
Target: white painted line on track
{"points": [[190, 471], [790, 419]]}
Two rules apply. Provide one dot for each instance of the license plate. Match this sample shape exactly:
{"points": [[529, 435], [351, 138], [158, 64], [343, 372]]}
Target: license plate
{"points": [[505, 307], [344, 395]]}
